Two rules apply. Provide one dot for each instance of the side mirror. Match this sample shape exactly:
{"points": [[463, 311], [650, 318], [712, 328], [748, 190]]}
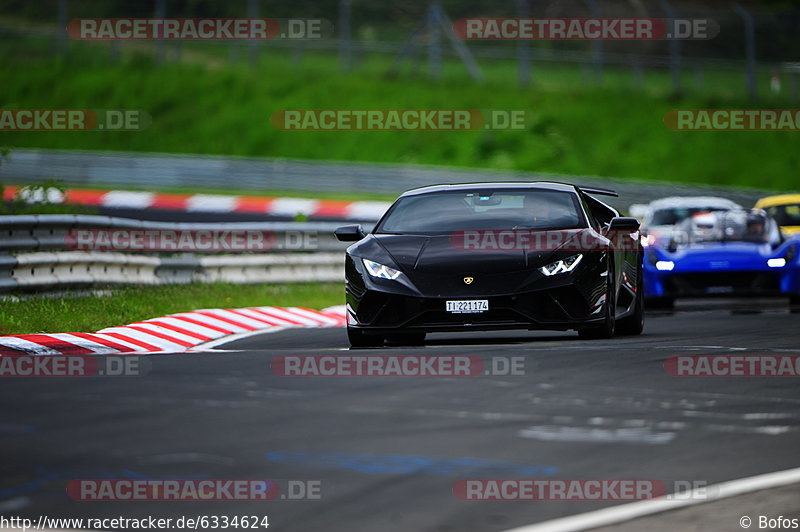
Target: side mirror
{"points": [[623, 224], [349, 233]]}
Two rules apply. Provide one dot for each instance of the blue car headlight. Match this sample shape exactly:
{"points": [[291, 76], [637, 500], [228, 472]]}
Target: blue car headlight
{"points": [[380, 271]]}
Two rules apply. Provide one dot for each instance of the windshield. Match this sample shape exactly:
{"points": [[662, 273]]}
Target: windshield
{"points": [[785, 214], [740, 226], [483, 209], [675, 215]]}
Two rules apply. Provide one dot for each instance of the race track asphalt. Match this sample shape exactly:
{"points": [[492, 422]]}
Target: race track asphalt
{"points": [[389, 450]]}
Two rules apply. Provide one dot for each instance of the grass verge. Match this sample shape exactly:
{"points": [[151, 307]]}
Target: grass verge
{"points": [[92, 312], [613, 129]]}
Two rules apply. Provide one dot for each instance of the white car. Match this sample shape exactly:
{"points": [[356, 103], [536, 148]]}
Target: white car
{"points": [[661, 217]]}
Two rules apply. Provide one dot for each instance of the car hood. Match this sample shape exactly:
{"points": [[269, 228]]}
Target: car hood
{"points": [[434, 253], [724, 255]]}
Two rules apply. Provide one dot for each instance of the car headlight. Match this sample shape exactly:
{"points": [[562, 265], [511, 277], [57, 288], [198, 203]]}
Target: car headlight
{"points": [[380, 271], [776, 263], [665, 265], [561, 266]]}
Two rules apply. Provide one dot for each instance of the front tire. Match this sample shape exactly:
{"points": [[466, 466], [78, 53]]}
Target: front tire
{"points": [[633, 325], [607, 328], [358, 338], [794, 301]]}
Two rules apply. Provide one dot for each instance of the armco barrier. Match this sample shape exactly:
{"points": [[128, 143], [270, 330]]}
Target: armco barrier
{"points": [[42, 258], [49, 232], [47, 270], [89, 168]]}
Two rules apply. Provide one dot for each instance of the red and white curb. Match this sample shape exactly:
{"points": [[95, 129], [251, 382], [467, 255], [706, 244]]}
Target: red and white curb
{"points": [[212, 203], [173, 333]]}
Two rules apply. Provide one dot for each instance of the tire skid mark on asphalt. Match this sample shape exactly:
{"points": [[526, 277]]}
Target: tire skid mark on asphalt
{"points": [[605, 429], [634, 435]]}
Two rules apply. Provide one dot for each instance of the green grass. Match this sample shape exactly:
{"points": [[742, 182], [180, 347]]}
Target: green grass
{"points": [[206, 105], [90, 313]]}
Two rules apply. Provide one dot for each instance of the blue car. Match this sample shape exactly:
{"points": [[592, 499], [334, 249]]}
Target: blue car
{"points": [[731, 253]]}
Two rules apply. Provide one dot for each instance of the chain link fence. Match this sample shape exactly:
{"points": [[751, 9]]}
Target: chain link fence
{"points": [[755, 52]]}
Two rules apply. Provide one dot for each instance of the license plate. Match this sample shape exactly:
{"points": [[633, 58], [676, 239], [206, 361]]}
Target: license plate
{"points": [[473, 306]]}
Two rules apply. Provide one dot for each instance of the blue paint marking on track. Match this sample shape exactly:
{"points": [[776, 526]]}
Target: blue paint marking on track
{"points": [[8, 428], [398, 464]]}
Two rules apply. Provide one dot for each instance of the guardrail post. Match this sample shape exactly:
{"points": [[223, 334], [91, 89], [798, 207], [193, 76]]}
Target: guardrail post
{"points": [[62, 27], [523, 47], [7, 265], [252, 44], [750, 49], [345, 37], [597, 44], [434, 44], [674, 50], [161, 12]]}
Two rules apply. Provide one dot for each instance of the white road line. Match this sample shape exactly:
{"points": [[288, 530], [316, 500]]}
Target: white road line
{"points": [[627, 512], [9, 505]]}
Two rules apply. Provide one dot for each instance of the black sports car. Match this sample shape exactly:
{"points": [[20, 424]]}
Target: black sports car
{"points": [[492, 256]]}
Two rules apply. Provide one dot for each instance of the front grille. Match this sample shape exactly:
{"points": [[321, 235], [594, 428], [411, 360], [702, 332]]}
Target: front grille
{"points": [[555, 305], [724, 283]]}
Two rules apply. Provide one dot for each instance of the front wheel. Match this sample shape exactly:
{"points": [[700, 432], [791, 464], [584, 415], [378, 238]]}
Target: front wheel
{"points": [[358, 338], [633, 325], [607, 328], [794, 301]]}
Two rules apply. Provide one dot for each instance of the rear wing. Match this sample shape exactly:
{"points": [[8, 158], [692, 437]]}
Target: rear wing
{"points": [[599, 191]]}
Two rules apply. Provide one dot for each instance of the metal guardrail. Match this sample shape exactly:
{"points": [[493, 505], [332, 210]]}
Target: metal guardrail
{"points": [[42, 258], [48, 270], [151, 170], [49, 232]]}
